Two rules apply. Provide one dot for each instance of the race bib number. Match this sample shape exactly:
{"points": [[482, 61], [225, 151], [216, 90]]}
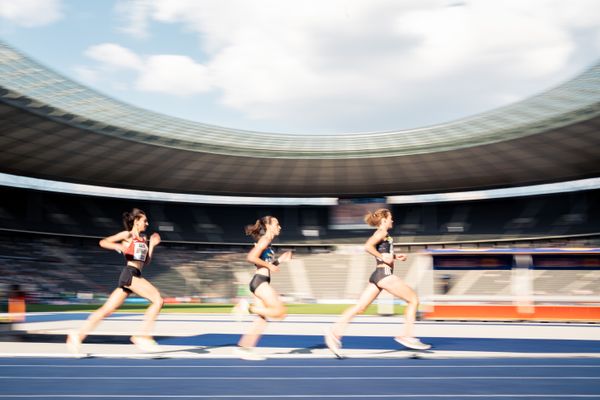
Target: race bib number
{"points": [[140, 250]]}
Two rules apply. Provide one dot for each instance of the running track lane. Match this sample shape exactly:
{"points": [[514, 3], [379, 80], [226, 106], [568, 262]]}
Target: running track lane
{"points": [[46, 378]]}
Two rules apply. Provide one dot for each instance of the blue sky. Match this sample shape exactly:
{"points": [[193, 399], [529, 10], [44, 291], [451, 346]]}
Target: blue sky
{"points": [[311, 66]]}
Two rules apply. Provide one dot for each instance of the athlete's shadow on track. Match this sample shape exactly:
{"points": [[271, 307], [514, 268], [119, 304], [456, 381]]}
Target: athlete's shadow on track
{"points": [[310, 349], [206, 349], [305, 350], [414, 353]]}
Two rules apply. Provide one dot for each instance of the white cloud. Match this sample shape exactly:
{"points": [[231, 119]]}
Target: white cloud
{"points": [[135, 14], [31, 13], [170, 74], [315, 62], [114, 56], [497, 37], [177, 75]]}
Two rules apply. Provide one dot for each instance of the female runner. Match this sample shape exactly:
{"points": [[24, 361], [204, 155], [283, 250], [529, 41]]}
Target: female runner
{"points": [[138, 250], [381, 246], [266, 301]]}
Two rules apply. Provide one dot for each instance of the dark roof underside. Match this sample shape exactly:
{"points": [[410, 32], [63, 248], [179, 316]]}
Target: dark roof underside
{"points": [[35, 146]]}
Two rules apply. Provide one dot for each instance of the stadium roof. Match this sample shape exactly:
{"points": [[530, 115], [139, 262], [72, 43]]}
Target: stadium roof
{"points": [[54, 128]]}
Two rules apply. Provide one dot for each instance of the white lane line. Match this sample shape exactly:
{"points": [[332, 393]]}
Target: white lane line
{"points": [[299, 378], [320, 354], [302, 396], [303, 366]]}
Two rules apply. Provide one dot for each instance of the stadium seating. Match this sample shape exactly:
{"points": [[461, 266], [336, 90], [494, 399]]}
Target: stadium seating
{"points": [[541, 216], [49, 245]]}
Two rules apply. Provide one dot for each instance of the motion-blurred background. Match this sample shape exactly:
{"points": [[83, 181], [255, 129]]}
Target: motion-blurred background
{"points": [[494, 150]]}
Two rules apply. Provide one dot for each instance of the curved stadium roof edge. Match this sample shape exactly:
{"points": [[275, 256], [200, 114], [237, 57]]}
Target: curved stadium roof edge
{"points": [[30, 86], [57, 130]]}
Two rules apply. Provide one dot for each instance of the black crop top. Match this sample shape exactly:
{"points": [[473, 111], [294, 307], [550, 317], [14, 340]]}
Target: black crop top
{"points": [[385, 246]]}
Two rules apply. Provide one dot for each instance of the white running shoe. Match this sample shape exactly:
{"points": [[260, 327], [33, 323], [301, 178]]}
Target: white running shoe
{"points": [[333, 343], [412, 343], [74, 343], [249, 354], [146, 344], [241, 309]]}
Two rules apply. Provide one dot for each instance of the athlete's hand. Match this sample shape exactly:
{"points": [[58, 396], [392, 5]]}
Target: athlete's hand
{"points": [[387, 258], [273, 267], [401, 257], [154, 239], [287, 256], [122, 247]]}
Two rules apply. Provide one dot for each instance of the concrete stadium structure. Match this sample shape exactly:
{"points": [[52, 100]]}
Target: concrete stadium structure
{"points": [[56, 129]]}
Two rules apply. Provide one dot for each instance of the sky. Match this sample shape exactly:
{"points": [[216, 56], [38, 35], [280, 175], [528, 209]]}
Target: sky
{"points": [[310, 66]]}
